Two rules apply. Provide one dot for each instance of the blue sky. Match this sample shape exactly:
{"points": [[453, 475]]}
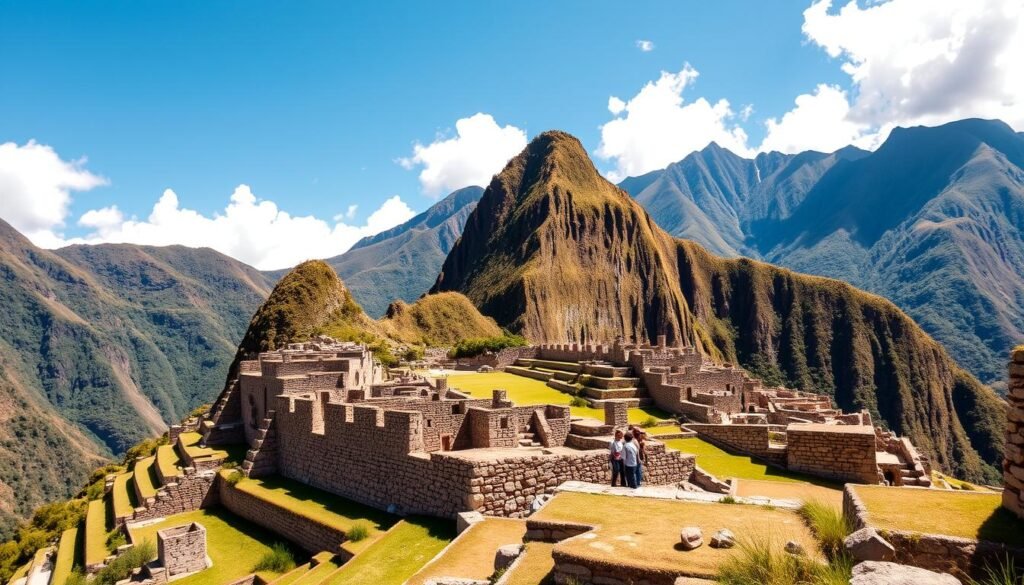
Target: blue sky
{"points": [[312, 104]]}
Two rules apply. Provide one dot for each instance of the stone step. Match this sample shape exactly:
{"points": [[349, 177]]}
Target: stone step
{"points": [[552, 365], [630, 402], [528, 373], [610, 383], [607, 370]]}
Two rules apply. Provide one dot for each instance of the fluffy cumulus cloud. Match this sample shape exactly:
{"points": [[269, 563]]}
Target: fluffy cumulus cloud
{"points": [[255, 231], [479, 149], [36, 187], [910, 62], [658, 126]]}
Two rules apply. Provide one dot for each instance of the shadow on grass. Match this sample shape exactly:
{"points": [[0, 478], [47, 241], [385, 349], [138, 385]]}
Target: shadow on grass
{"points": [[331, 502], [1002, 527]]}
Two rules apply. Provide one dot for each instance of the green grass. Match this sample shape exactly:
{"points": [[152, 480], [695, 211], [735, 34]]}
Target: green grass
{"points": [[124, 496], [723, 464], [399, 555], [975, 515], [144, 477], [315, 576], [167, 461], [525, 391], [762, 561], [190, 443], [320, 507], [235, 545], [67, 551], [829, 525], [95, 533]]}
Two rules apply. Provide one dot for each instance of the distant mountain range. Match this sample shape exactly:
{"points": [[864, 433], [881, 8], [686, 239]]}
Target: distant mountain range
{"points": [[102, 346], [557, 253], [933, 220]]}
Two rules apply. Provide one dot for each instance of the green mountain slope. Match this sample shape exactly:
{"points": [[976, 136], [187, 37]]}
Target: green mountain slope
{"points": [[931, 220], [105, 344], [557, 253]]}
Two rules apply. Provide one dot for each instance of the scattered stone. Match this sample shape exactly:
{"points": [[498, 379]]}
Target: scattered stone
{"points": [[539, 501], [506, 555], [724, 538], [885, 573], [466, 519], [691, 537], [867, 545], [795, 548]]}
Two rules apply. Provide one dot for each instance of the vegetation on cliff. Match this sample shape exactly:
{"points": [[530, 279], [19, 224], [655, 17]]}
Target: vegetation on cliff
{"points": [[555, 252]]}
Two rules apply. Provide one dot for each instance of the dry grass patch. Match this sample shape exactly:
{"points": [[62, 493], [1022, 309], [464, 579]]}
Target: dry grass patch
{"points": [[535, 566], [805, 492], [975, 515], [472, 555], [645, 531]]}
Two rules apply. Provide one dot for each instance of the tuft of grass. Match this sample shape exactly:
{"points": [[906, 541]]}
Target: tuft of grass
{"points": [[116, 539], [728, 500], [829, 527], [234, 477], [579, 402], [1005, 573], [278, 559], [359, 531], [764, 562], [649, 422]]}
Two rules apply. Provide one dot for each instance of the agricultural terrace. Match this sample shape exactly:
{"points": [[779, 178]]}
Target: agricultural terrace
{"points": [[234, 545], [471, 556], [399, 554], [723, 464], [645, 532]]}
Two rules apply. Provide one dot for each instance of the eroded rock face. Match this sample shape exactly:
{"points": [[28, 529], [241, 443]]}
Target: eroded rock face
{"points": [[724, 538], [884, 573], [867, 545], [691, 537]]}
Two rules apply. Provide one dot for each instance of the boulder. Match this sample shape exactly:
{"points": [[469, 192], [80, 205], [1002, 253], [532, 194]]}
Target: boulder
{"points": [[885, 573], [506, 555], [795, 548], [724, 538], [867, 545], [691, 537], [539, 501]]}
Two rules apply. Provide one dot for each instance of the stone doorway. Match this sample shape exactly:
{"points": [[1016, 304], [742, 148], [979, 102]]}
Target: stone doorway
{"points": [[446, 442]]}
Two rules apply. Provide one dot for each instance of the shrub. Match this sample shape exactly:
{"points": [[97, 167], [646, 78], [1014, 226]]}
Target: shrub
{"points": [[649, 422], [475, 346], [278, 559], [116, 539], [412, 354], [75, 578], [578, 401], [764, 562], [829, 527], [359, 531], [1005, 573], [728, 500], [234, 477], [121, 567]]}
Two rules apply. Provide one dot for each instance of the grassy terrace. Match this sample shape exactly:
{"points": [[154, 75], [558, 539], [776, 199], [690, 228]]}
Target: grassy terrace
{"points": [[95, 532], [320, 506], [234, 545], [526, 391], [535, 566], [145, 477], [645, 532], [976, 515], [67, 553], [788, 490], [399, 555], [723, 464], [167, 461], [472, 555], [316, 575], [123, 495], [190, 443]]}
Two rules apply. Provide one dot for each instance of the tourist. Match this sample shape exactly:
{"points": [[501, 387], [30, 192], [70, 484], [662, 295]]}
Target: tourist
{"points": [[630, 460], [615, 459], [641, 446]]}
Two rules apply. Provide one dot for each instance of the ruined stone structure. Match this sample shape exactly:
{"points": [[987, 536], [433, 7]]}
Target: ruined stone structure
{"points": [[1013, 462], [182, 549]]}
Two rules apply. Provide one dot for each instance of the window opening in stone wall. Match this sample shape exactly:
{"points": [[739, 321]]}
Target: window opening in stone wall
{"points": [[504, 422]]}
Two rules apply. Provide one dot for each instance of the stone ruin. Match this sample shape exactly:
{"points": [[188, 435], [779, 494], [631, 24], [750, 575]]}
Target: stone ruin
{"points": [[181, 551], [1013, 462]]}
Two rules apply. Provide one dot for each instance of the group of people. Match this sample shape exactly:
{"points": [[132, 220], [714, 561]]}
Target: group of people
{"points": [[627, 457]]}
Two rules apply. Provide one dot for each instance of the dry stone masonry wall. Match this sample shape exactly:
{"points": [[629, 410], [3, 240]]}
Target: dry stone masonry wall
{"points": [[1013, 463]]}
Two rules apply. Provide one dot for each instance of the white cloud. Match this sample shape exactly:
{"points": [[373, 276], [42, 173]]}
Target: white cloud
{"points": [[349, 213], [36, 186], [656, 127], [910, 62], [479, 149], [252, 230], [645, 46]]}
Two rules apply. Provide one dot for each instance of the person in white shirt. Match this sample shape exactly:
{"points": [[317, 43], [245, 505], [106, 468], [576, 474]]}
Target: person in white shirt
{"points": [[630, 459], [615, 460]]}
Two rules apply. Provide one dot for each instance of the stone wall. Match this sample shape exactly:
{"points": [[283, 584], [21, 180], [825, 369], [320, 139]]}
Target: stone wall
{"points": [[1013, 462], [182, 549], [750, 439], [189, 492], [311, 535], [841, 452]]}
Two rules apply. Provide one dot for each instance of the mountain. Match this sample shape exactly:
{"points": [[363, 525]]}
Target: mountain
{"points": [[102, 346], [557, 253], [402, 262], [931, 220]]}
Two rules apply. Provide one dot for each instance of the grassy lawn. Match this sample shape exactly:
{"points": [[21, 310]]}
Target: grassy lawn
{"points": [[977, 515], [95, 532], [145, 478], [645, 531], [472, 555], [124, 495], [328, 564], [723, 464], [167, 460], [234, 545], [190, 443], [535, 567], [786, 490], [320, 506], [526, 391], [402, 552], [662, 430], [66, 556]]}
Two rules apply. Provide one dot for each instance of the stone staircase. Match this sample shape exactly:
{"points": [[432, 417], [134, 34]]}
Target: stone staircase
{"points": [[596, 383], [261, 459], [318, 571], [528, 438]]}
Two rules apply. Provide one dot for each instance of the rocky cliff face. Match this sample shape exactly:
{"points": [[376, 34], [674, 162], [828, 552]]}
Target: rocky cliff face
{"points": [[557, 253]]}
